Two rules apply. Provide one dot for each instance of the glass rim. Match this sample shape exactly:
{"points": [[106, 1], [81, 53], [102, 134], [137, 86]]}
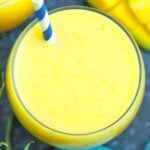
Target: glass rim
{"points": [[136, 48]]}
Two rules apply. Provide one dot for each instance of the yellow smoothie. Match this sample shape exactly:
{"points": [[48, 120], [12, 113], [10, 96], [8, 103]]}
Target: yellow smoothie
{"points": [[83, 87], [13, 13]]}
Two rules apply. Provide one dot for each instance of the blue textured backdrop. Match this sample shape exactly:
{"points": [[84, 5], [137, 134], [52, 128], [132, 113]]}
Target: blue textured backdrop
{"points": [[134, 138]]}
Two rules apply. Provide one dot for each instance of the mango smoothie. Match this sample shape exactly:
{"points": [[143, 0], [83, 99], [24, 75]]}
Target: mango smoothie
{"points": [[13, 13], [83, 87]]}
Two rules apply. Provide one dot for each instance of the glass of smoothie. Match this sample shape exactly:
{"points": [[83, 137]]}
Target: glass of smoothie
{"points": [[13, 13], [83, 87]]}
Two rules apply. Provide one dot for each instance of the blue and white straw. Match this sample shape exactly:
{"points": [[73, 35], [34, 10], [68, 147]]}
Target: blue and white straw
{"points": [[42, 15]]}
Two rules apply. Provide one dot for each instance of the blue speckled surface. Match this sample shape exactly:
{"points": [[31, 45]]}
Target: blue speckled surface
{"points": [[135, 137]]}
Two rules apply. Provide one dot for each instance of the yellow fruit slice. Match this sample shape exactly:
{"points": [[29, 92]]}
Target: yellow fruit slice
{"points": [[141, 9], [148, 27], [104, 4], [123, 13], [13, 13]]}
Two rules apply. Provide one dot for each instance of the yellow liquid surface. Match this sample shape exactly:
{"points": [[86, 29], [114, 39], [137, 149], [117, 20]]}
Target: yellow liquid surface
{"points": [[83, 80]]}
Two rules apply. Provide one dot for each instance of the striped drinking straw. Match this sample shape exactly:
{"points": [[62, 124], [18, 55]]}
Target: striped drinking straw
{"points": [[42, 15]]}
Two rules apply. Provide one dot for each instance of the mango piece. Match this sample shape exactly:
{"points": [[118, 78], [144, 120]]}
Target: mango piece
{"points": [[141, 9], [104, 4], [122, 11], [13, 13], [127, 18]]}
